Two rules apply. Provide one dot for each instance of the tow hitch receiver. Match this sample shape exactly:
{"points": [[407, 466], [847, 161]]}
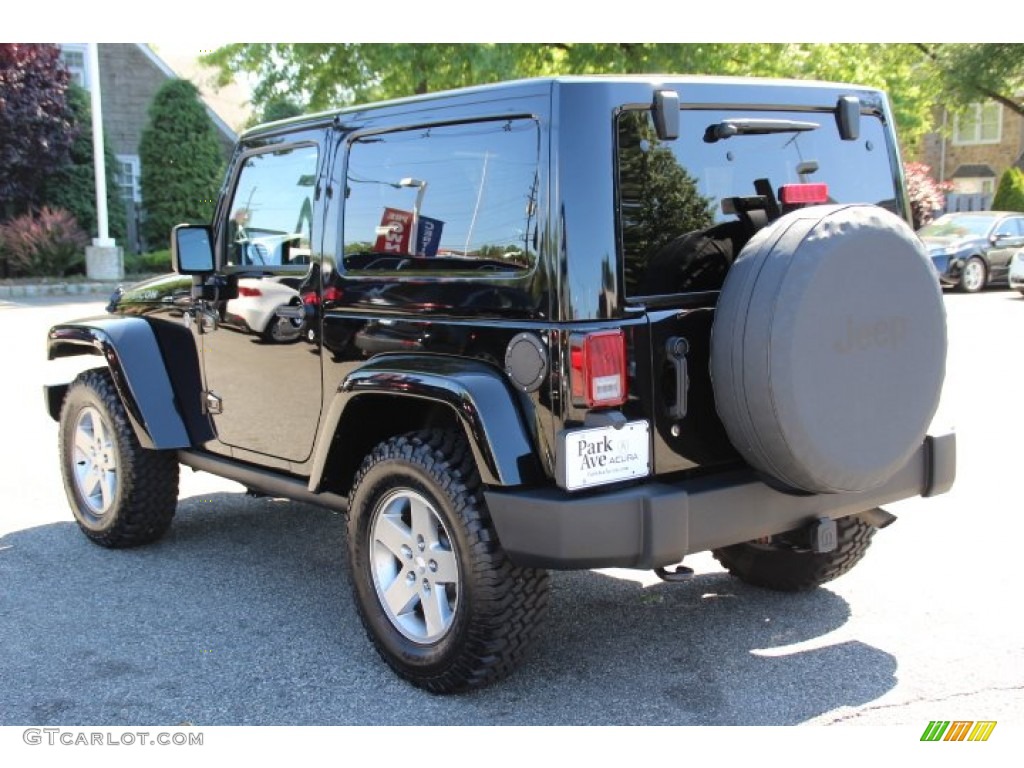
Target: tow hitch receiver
{"points": [[677, 574], [821, 535]]}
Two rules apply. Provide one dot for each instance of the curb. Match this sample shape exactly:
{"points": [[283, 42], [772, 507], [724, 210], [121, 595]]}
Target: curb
{"points": [[32, 290]]}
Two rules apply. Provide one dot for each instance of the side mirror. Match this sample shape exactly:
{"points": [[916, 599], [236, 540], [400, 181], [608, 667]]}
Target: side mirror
{"points": [[192, 249]]}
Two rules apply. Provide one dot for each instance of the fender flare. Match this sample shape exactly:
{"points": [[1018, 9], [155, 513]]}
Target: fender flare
{"points": [[130, 349], [480, 398]]}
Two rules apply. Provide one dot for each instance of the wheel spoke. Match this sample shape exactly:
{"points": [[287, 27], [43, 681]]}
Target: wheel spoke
{"points": [[83, 443], [436, 611], [401, 595], [423, 521], [90, 481], [99, 430], [107, 481], [393, 534], [447, 568]]}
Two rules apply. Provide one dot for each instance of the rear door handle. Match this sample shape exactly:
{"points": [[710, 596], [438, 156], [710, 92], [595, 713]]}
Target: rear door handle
{"points": [[675, 353]]}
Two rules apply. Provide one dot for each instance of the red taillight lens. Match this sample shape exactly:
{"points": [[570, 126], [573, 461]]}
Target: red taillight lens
{"points": [[598, 363], [332, 293], [803, 194], [244, 290]]}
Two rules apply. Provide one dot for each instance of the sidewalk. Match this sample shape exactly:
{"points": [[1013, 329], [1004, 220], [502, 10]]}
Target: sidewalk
{"points": [[22, 290]]}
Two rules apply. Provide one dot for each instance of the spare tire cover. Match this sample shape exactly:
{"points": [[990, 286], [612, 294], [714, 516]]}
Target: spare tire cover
{"points": [[828, 349]]}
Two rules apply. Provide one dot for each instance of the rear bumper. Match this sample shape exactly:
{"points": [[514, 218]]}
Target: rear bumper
{"points": [[657, 524]]}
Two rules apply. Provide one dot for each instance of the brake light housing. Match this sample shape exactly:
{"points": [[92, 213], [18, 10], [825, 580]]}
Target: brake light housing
{"points": [[597, 368]]}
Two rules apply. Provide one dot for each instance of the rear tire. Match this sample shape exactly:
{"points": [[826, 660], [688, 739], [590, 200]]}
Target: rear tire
{"points": [[782, 566], [121, 494], [438, 597], [973, 276]]}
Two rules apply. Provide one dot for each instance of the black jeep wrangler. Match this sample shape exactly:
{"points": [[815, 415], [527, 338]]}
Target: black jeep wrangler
{"points": [[562, 323]]}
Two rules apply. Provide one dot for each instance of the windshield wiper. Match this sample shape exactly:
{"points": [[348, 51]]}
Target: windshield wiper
{"points": [[748, 126]]}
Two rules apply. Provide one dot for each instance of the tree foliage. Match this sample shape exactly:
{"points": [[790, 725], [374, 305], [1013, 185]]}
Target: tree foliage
{"points": [[36, 122], [926, 194], [181, 162], [1010, 195], [333, 75], [969, 72], [73, 185]]}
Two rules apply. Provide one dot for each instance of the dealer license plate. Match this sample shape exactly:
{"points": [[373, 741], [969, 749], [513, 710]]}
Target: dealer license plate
{"points": [[590, 457]]}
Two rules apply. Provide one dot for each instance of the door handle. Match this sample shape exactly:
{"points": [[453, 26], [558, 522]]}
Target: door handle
{"points": [[675, 353]]}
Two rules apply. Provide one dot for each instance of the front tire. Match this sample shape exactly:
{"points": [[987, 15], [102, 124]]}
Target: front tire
{"points": [[782, 565], [973, 276], [437, 595], [121, 494]]}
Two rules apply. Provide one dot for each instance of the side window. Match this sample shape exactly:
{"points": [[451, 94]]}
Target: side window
{"points": [[271, 215], [443, 199], [1009, 228]]}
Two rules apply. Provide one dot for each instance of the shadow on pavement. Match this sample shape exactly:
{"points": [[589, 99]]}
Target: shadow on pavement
{"points": [[242, 615]]}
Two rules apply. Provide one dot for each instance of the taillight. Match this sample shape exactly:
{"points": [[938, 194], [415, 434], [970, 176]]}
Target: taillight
{"points": [[598, 368], [803, 194], [332, 293], [244, 290]]}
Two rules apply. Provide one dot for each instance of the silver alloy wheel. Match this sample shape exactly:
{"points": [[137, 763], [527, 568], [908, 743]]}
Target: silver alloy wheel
{"points": [[973, 275], [415, 570], [95, 461]]}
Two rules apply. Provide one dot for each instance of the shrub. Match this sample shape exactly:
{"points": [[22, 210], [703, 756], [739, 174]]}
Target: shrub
{"points": [[181, 162], [73, 186], [1010, 195], [157, 262], [47, 244], [926, 194]]}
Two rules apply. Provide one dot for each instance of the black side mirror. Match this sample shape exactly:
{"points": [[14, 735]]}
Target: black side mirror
{"points": [[192, 249]]}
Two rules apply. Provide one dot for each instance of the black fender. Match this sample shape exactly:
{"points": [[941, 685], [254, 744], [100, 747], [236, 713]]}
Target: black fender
{"points": [[129, 347], [475, 392]]}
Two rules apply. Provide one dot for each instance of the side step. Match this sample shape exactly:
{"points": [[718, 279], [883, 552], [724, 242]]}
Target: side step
{"points": [[262, 481]]}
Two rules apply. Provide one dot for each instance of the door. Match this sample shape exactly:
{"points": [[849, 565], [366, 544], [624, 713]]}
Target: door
{"points": [[1008, 238], [263, 382]]}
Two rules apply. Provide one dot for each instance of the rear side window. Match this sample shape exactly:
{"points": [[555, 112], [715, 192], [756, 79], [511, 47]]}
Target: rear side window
{"points": [[449, 199], [674, 196]]}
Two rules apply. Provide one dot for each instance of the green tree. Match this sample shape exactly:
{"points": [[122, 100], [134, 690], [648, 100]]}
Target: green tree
{"points": [[1010, 195], [181, 162], [333, 75], [36, 123], [969, 72], [73, 185]]}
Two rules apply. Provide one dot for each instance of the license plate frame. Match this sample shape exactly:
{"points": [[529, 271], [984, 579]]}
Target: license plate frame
{"points": [[596, 456]]}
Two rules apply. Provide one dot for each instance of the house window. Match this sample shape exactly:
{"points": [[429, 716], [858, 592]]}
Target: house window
{"points": [[73, 57], [128, 178], [979, 124]]}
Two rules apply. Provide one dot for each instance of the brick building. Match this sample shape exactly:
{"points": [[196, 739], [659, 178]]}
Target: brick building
{"points": [[130, 75], [975, 149]]}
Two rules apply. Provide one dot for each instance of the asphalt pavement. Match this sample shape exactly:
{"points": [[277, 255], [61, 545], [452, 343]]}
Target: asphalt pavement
{"points": [[242, 614]]}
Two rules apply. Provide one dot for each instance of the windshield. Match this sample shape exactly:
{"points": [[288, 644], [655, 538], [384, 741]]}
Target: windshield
{"points": [[957, 226], [686, 192]]}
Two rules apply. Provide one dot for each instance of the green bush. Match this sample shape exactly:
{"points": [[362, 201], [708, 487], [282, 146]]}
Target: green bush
{"points": [[47, 244], [157, 262], [73, 185], [1010, 195], [181, 162]]}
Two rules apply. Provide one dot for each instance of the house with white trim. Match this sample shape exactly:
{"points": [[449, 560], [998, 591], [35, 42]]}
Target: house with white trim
{"points": [[130, 75], [973, 150]]}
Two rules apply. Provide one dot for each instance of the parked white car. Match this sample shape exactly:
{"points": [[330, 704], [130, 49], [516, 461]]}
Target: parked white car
{"points": [[1017, 271], [255, 309]]}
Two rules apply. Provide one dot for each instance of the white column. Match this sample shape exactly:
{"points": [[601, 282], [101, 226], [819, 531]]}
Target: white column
{"points": [[103, 240]]}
